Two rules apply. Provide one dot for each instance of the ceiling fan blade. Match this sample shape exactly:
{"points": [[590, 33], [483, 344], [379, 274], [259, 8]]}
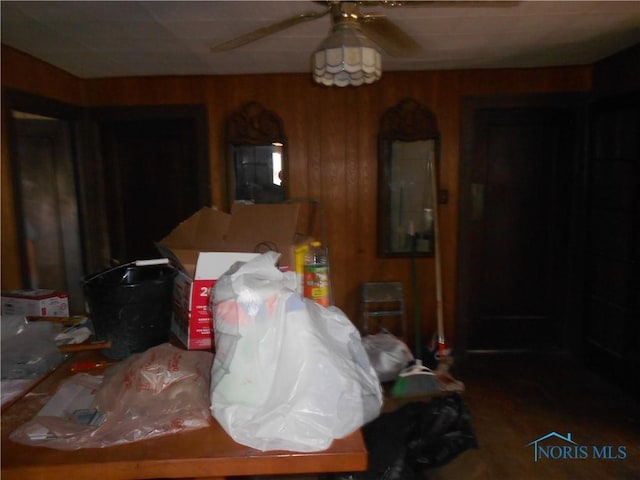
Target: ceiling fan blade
{"points": [[268, 30], [389, 36], [446, 3]]}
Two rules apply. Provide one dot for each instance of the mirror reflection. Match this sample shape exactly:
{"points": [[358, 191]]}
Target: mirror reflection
{"points": [[411, 196], [256, 166], [257, 173], [408, 152]]}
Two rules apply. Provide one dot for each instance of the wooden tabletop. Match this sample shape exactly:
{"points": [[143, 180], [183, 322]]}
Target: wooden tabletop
{"points": [[204, 453]]}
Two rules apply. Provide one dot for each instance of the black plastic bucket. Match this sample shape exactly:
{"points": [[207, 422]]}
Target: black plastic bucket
{"points": [[131, 306]]}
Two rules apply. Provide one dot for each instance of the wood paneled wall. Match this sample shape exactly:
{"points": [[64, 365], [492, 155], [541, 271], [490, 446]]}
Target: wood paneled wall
{"points": [[331, 149], [10, 262]]}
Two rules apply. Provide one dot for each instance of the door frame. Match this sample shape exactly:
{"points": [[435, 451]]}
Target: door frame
{"points": [[578, 103]]}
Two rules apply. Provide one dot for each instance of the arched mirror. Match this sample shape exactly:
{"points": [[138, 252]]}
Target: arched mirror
{"points": [[256, 156], [408, 145]]}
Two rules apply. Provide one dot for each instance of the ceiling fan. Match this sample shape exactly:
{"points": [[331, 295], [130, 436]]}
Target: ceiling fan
{"points": [[350, 24], [376, 26]]}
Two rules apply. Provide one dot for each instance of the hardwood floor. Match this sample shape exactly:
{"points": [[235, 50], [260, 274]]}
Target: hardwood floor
{"points": [[516, 399]]}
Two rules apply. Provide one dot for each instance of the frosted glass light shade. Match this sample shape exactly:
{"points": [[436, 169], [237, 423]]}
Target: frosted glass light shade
{"points": [[346, 57]]}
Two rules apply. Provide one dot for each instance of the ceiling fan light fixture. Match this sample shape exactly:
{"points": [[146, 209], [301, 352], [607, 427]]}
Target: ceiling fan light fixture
{"points": [[346, 57]]}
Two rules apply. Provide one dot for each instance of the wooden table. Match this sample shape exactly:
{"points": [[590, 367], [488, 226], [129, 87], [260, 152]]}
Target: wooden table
{"points": [[207, 453]]}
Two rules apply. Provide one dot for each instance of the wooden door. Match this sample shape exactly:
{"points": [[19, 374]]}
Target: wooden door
{"points": [[612, 256], [516, 226], [155, 177]]}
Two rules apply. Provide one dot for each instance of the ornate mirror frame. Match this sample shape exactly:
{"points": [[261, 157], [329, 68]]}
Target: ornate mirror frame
{"points": [[256, 156], [408, 149]]}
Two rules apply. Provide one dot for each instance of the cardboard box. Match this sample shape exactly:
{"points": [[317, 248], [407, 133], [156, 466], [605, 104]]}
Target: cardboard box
{"points": [[192, 316], [38, 303], [248, 228], [207, 244]]}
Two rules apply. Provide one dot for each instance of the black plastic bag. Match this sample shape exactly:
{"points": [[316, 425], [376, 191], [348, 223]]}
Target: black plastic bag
{"points": [[415, 438]]}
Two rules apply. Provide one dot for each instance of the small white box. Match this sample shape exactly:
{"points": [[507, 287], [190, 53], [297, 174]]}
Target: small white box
{"points": [[35, 303]]}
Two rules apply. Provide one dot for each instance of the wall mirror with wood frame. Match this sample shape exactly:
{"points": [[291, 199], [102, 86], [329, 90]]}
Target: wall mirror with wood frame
{"points": [[256, 156], [408, 146]]}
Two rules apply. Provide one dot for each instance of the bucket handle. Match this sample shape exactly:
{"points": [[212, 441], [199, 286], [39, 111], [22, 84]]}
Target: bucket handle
{"points": [[153, 261], [137, 263]]}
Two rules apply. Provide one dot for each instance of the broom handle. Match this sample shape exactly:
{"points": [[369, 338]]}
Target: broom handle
{"points": [[416, 304], [436, 243]]}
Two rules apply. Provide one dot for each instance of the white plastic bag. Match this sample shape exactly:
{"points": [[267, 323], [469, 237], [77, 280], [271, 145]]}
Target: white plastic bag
{"points": [[288, 374], [388, 355]]}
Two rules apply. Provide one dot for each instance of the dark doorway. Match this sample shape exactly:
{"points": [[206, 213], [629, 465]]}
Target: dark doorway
{"points": [[45, 181], [156, 175], [518, 176], [45, 186]]}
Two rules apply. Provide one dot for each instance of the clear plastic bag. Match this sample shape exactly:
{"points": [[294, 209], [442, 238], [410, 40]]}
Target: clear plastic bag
{"points": [[288, 373], [28, 349], [158, 392]]}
